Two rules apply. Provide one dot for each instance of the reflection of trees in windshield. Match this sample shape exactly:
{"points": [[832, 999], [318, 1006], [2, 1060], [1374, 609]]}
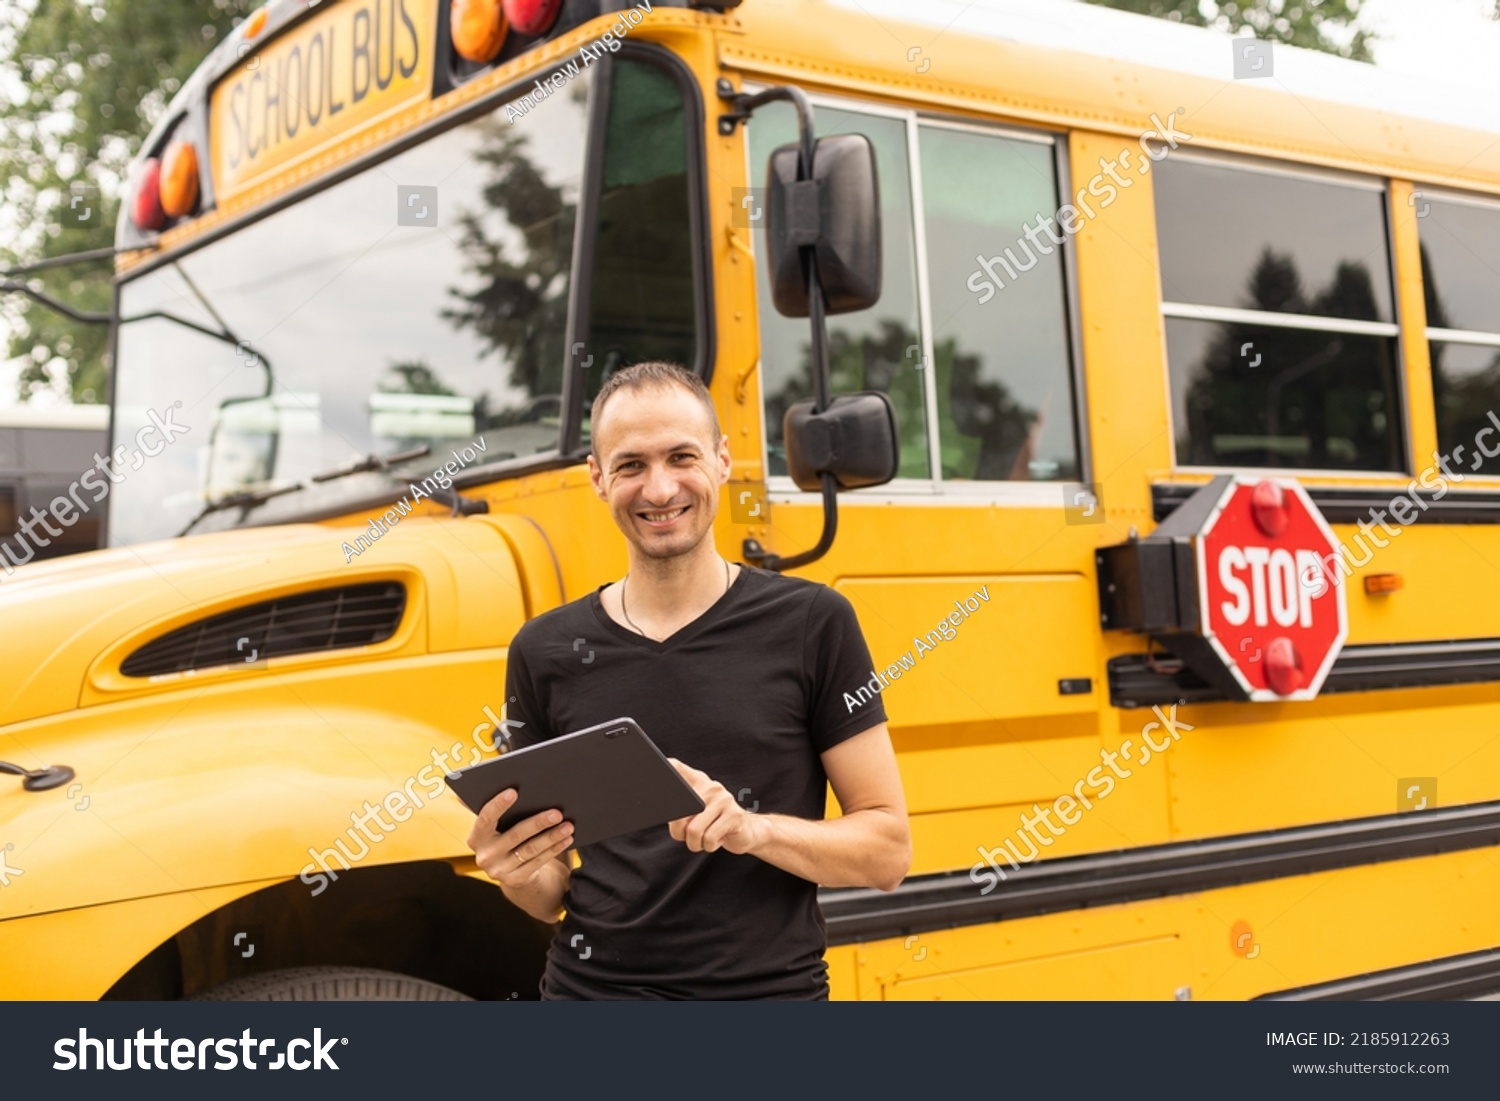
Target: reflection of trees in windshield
{"points": [[986, 433], [1464, 398], [519, 307], [1269, 396], [413, 377]]}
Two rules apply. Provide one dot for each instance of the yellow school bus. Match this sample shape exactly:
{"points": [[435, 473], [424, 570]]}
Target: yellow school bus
{"points": [[1119, 286]]}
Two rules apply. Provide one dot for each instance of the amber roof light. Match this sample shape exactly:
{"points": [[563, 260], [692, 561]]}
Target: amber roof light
{"points": [[478, 29], [179, 179]]}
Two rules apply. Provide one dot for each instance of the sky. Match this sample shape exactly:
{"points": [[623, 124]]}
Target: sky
{"points": [[1448, 43], [1452, 41]]}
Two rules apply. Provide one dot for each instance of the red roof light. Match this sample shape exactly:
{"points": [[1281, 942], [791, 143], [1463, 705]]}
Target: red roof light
{"points": [[145, 208]]}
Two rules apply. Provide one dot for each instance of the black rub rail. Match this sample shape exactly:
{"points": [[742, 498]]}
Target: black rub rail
{"points": [[953, 899]]}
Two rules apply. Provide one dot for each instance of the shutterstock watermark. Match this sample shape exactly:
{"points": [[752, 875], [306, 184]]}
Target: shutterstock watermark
{"points": [[988, 871], [401, 803], [1072, 217], [67, 509], [1404, 508]]}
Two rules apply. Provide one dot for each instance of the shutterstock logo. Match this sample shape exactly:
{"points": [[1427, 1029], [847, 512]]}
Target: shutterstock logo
{"points": [[153, 1053]]}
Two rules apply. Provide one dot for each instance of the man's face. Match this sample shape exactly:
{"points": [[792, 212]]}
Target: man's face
{"points": [[661, 468]]}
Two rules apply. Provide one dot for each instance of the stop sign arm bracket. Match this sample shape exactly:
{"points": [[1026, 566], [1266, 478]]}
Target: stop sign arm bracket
{"points": [[1150, 586]]}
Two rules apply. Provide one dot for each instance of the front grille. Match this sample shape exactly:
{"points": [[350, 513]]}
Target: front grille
{"points": [[328, 619]]}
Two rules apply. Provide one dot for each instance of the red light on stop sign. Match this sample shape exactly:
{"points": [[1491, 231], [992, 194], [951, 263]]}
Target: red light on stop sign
{"points": [[1283, 666], [1268, 505]]}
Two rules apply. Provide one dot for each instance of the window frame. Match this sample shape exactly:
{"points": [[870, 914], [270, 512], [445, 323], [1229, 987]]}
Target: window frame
{"points": [[1481, 338], [561, 456], [13, 483], [1392, 329], [934, 489]]}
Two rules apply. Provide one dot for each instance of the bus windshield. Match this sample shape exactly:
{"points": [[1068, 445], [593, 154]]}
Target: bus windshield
{"points": [[422, 301]]}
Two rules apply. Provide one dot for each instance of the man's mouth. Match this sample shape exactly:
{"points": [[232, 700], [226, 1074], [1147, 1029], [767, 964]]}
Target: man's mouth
{"points": [[664, 518]]}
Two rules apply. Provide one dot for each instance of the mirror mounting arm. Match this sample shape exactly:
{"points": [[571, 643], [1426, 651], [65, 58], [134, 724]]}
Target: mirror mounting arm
{"points": [[742, 105]]}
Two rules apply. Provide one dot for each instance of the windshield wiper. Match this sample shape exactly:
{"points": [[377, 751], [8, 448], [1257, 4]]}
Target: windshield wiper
{"points": [[246, 500], [461, 505], [373, 462], [86, 317]]}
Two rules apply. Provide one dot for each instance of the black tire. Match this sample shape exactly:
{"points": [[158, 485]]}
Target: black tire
{"points": [[329, 984]]}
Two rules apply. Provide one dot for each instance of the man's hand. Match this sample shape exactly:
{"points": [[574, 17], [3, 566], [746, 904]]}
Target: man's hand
{"points": [[868, 845], [514, 859], [722, 823]]}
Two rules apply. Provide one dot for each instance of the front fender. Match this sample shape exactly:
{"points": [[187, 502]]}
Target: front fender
{"points": [[238, 783]]}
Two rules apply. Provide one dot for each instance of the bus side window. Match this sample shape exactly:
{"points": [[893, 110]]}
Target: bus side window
{"points": [[1460, 245], [1281, 333]]}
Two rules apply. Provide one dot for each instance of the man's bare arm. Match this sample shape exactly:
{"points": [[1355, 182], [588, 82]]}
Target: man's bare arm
{"points": [[870, 846], [542, 897]]}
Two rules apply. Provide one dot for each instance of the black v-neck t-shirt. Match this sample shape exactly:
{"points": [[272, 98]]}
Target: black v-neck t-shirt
{"points": [[750, 692]]}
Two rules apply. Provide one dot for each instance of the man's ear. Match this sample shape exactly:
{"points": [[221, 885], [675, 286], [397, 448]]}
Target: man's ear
{"points": [[596, 477], [726, 463]]}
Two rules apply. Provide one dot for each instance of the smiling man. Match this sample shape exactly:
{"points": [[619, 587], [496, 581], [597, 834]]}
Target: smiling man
{"points": [[738, 675]]}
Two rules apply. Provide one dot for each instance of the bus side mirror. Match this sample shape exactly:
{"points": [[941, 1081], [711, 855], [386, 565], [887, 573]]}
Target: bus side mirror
{"points": [[854, 439], [837, 212]]}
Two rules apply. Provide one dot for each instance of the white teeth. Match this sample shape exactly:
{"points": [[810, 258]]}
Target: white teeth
{"points": [[657, 517]]}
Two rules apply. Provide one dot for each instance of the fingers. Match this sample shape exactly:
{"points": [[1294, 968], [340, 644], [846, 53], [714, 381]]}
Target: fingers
{"points": [[542, 847], [528, 828], [723, 826], [515, 856], [488, 818], [720, 817], [706, 829], [700, 782], [518, 865]]}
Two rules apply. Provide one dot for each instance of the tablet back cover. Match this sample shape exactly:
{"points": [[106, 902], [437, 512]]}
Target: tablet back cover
{"points": [[607, 780]]}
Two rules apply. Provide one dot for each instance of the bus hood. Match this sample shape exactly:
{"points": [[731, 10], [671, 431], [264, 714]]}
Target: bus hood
{"points": [[70, 622]]}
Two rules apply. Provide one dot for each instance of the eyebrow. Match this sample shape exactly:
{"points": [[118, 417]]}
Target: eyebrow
{"points": [[686, 445]]}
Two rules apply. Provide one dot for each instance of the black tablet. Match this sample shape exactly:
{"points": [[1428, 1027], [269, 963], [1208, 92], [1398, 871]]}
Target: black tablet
{"points": [[607, 780]]}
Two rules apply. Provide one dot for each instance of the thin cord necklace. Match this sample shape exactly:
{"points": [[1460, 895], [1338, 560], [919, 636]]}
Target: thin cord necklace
{"points": [[632, 622]]}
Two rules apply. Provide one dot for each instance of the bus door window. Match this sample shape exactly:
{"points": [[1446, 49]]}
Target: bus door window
{"points": [[1281, 330], [643, 293]]}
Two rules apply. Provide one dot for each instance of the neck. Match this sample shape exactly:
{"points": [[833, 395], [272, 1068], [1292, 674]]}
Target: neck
{"points": [[662, 587]]}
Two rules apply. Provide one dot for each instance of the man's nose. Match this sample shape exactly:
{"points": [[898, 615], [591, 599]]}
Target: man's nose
{"points": [[661, 484]]}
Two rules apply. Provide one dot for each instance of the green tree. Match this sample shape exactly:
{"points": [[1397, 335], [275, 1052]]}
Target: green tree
{"points": [[1305, 23], [81, 83]]}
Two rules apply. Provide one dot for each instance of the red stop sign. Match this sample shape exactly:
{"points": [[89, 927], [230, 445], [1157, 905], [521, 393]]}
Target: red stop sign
{"points": [[1273, 611]]}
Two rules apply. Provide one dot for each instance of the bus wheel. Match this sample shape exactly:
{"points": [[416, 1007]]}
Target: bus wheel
{"points": [[329, 984]]}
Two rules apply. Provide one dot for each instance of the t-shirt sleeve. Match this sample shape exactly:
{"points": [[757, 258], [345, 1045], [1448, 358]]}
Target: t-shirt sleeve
{"points": [[526, 711], [839, 660]]}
